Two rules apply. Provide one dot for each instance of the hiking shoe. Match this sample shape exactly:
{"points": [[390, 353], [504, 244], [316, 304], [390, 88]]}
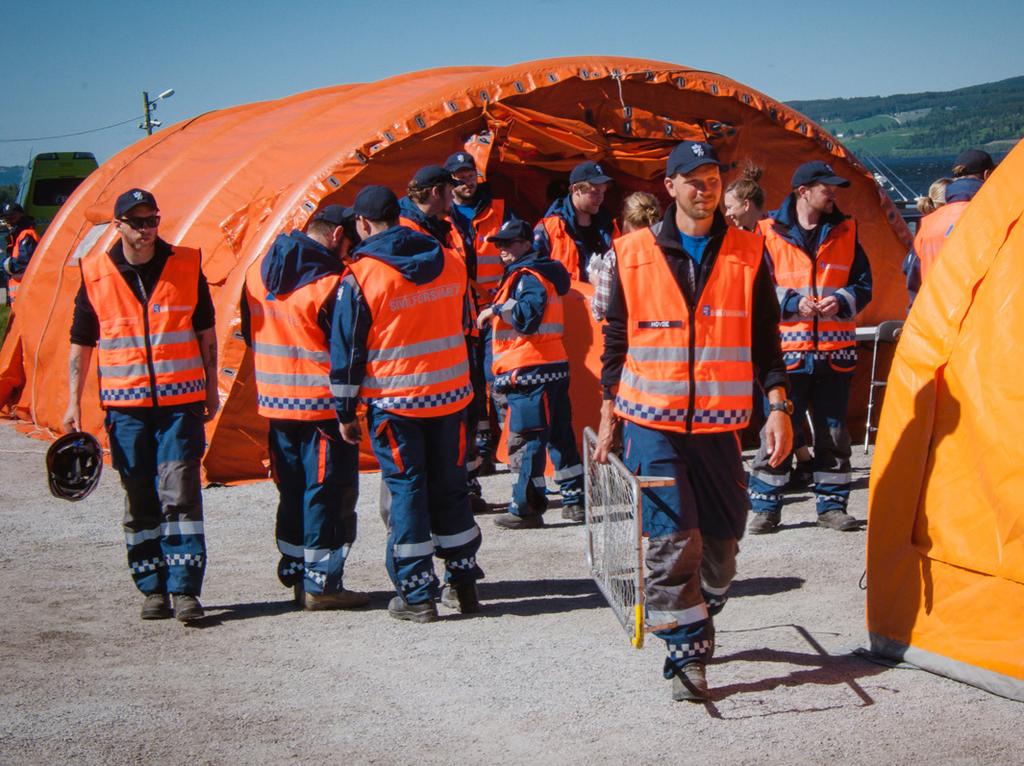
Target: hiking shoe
{"points": [[400, 610], [689, 683], [839, 520], [156, 607], [512, 521], [764, 523], [187, 608], [463, 598], [573, 513], [342, 599], [478, 505]]}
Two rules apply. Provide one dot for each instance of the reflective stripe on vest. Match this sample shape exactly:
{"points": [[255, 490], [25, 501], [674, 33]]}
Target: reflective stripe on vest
{"points": [[828, 273], [513, 350], [680, 377], [932, 232], [416, 352], [142, 347], [489, 267], [290, 351]]}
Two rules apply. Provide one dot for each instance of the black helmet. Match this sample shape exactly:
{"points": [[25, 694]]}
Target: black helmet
{"points": [[74, 463]]}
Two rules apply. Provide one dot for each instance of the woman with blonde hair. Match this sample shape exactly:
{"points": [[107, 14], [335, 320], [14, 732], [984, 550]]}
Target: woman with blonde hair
{"points": [[640, 209], [936, 196], [744, 199]]}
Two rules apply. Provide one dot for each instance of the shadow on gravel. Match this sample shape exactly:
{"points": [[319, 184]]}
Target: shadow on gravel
{"points": [[764, 586], [525, 598], [817, 667]]}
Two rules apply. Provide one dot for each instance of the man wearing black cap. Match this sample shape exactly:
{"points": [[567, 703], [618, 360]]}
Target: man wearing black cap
{"points": [[692, 317], [398, 344], [286, 312], [532, 369], [20, 244], [577, 227], [478, 215], [146, 307], [970, 170], [823, 279]]}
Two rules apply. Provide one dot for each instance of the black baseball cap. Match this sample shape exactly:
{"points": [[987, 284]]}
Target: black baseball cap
{"points": [[10, 208], [688, 156], [460, 161], [130, 199], [974, 162], [333, 214], [590, 172], [429, 176], [817, 172], [377, 203], [512, 230]]}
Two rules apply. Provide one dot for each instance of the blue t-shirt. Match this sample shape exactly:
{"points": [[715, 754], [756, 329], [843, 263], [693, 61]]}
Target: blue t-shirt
{"points": [[466, 211], [694, 246]]}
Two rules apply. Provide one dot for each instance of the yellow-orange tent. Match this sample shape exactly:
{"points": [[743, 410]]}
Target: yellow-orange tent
{"points": [[229, 181], [946, 518]]}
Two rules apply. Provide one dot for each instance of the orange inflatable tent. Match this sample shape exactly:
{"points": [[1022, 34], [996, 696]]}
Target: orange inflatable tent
{"points": [[229, 181], [946, 517]]}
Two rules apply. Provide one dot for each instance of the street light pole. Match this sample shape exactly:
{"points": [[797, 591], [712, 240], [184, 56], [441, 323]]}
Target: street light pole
{"points": [[148, 107]]}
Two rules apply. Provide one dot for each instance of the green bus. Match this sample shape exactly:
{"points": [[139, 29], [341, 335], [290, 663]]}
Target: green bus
{"points": [[49, 180]]}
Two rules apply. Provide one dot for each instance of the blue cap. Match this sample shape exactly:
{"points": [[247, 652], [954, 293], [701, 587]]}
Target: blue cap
{"points": [[817, 172], [512, 230], [377, 203], [460, 161], [130, 199], [590, 172], [688, 156], [429, 176], [333, 214]]}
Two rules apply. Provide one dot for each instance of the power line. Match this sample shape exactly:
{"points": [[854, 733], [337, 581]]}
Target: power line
{"points": [[70, 135]]}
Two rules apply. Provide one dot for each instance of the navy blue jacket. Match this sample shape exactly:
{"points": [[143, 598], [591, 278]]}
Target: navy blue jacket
{"points": [[419, 259], [293, 261], [563, 208]]}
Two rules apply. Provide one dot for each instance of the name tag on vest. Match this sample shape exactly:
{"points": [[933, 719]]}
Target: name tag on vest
{"points": [[658, 324]]}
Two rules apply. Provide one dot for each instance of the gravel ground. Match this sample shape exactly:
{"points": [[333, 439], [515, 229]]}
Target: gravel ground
{"points": [[544, 675]]}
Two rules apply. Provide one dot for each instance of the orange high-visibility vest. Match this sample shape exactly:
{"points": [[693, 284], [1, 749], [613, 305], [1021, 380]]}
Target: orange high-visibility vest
{"points": [[14, 280], [489, 268], [148, 353], [563, 246], [828, 273], [290, 352], [687, 371], [453, 247], [416, 362], [933, 230], [513, 350]]}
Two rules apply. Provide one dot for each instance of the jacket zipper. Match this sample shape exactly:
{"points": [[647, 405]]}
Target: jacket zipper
{"points": [[145, 330]]}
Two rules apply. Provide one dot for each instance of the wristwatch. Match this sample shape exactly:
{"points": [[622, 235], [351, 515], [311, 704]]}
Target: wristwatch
{"points": [[785, 405]]}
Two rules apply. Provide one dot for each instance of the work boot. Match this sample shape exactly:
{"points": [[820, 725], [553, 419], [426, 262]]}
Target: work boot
{"points": [[156, 607], [187, 608], [839, 520], [401, 610], [689, 683], [342, 599], [463, 598], [512, 521], [573, 513], [478, 505], [763, 523]]}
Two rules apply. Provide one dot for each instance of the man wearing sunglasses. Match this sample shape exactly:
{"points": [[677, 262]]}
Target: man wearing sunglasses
{"points": [[146, 306]]}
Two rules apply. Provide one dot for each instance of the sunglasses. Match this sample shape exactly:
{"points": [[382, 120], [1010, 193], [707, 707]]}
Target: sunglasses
{"points": [[142, 222]]}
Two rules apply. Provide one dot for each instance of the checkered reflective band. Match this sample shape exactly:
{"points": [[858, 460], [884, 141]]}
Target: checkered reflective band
{"points": [[184, 560], [124, 394], [418, 580], [177, 389], [796, 336], [647, 412], [690, 650], [505, 381], [420, 402], [467, 564], [146, 565], [721, 417], [311, 403]]}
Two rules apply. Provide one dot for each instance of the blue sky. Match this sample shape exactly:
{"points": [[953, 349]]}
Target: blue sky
{"points": [[71, 66]]}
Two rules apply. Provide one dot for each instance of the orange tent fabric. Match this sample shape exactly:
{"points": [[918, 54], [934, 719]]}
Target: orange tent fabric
{"points": [[229, 181], [946, 519]]}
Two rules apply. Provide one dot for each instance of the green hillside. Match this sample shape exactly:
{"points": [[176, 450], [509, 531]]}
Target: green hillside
{"points": [[929, 123]]}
